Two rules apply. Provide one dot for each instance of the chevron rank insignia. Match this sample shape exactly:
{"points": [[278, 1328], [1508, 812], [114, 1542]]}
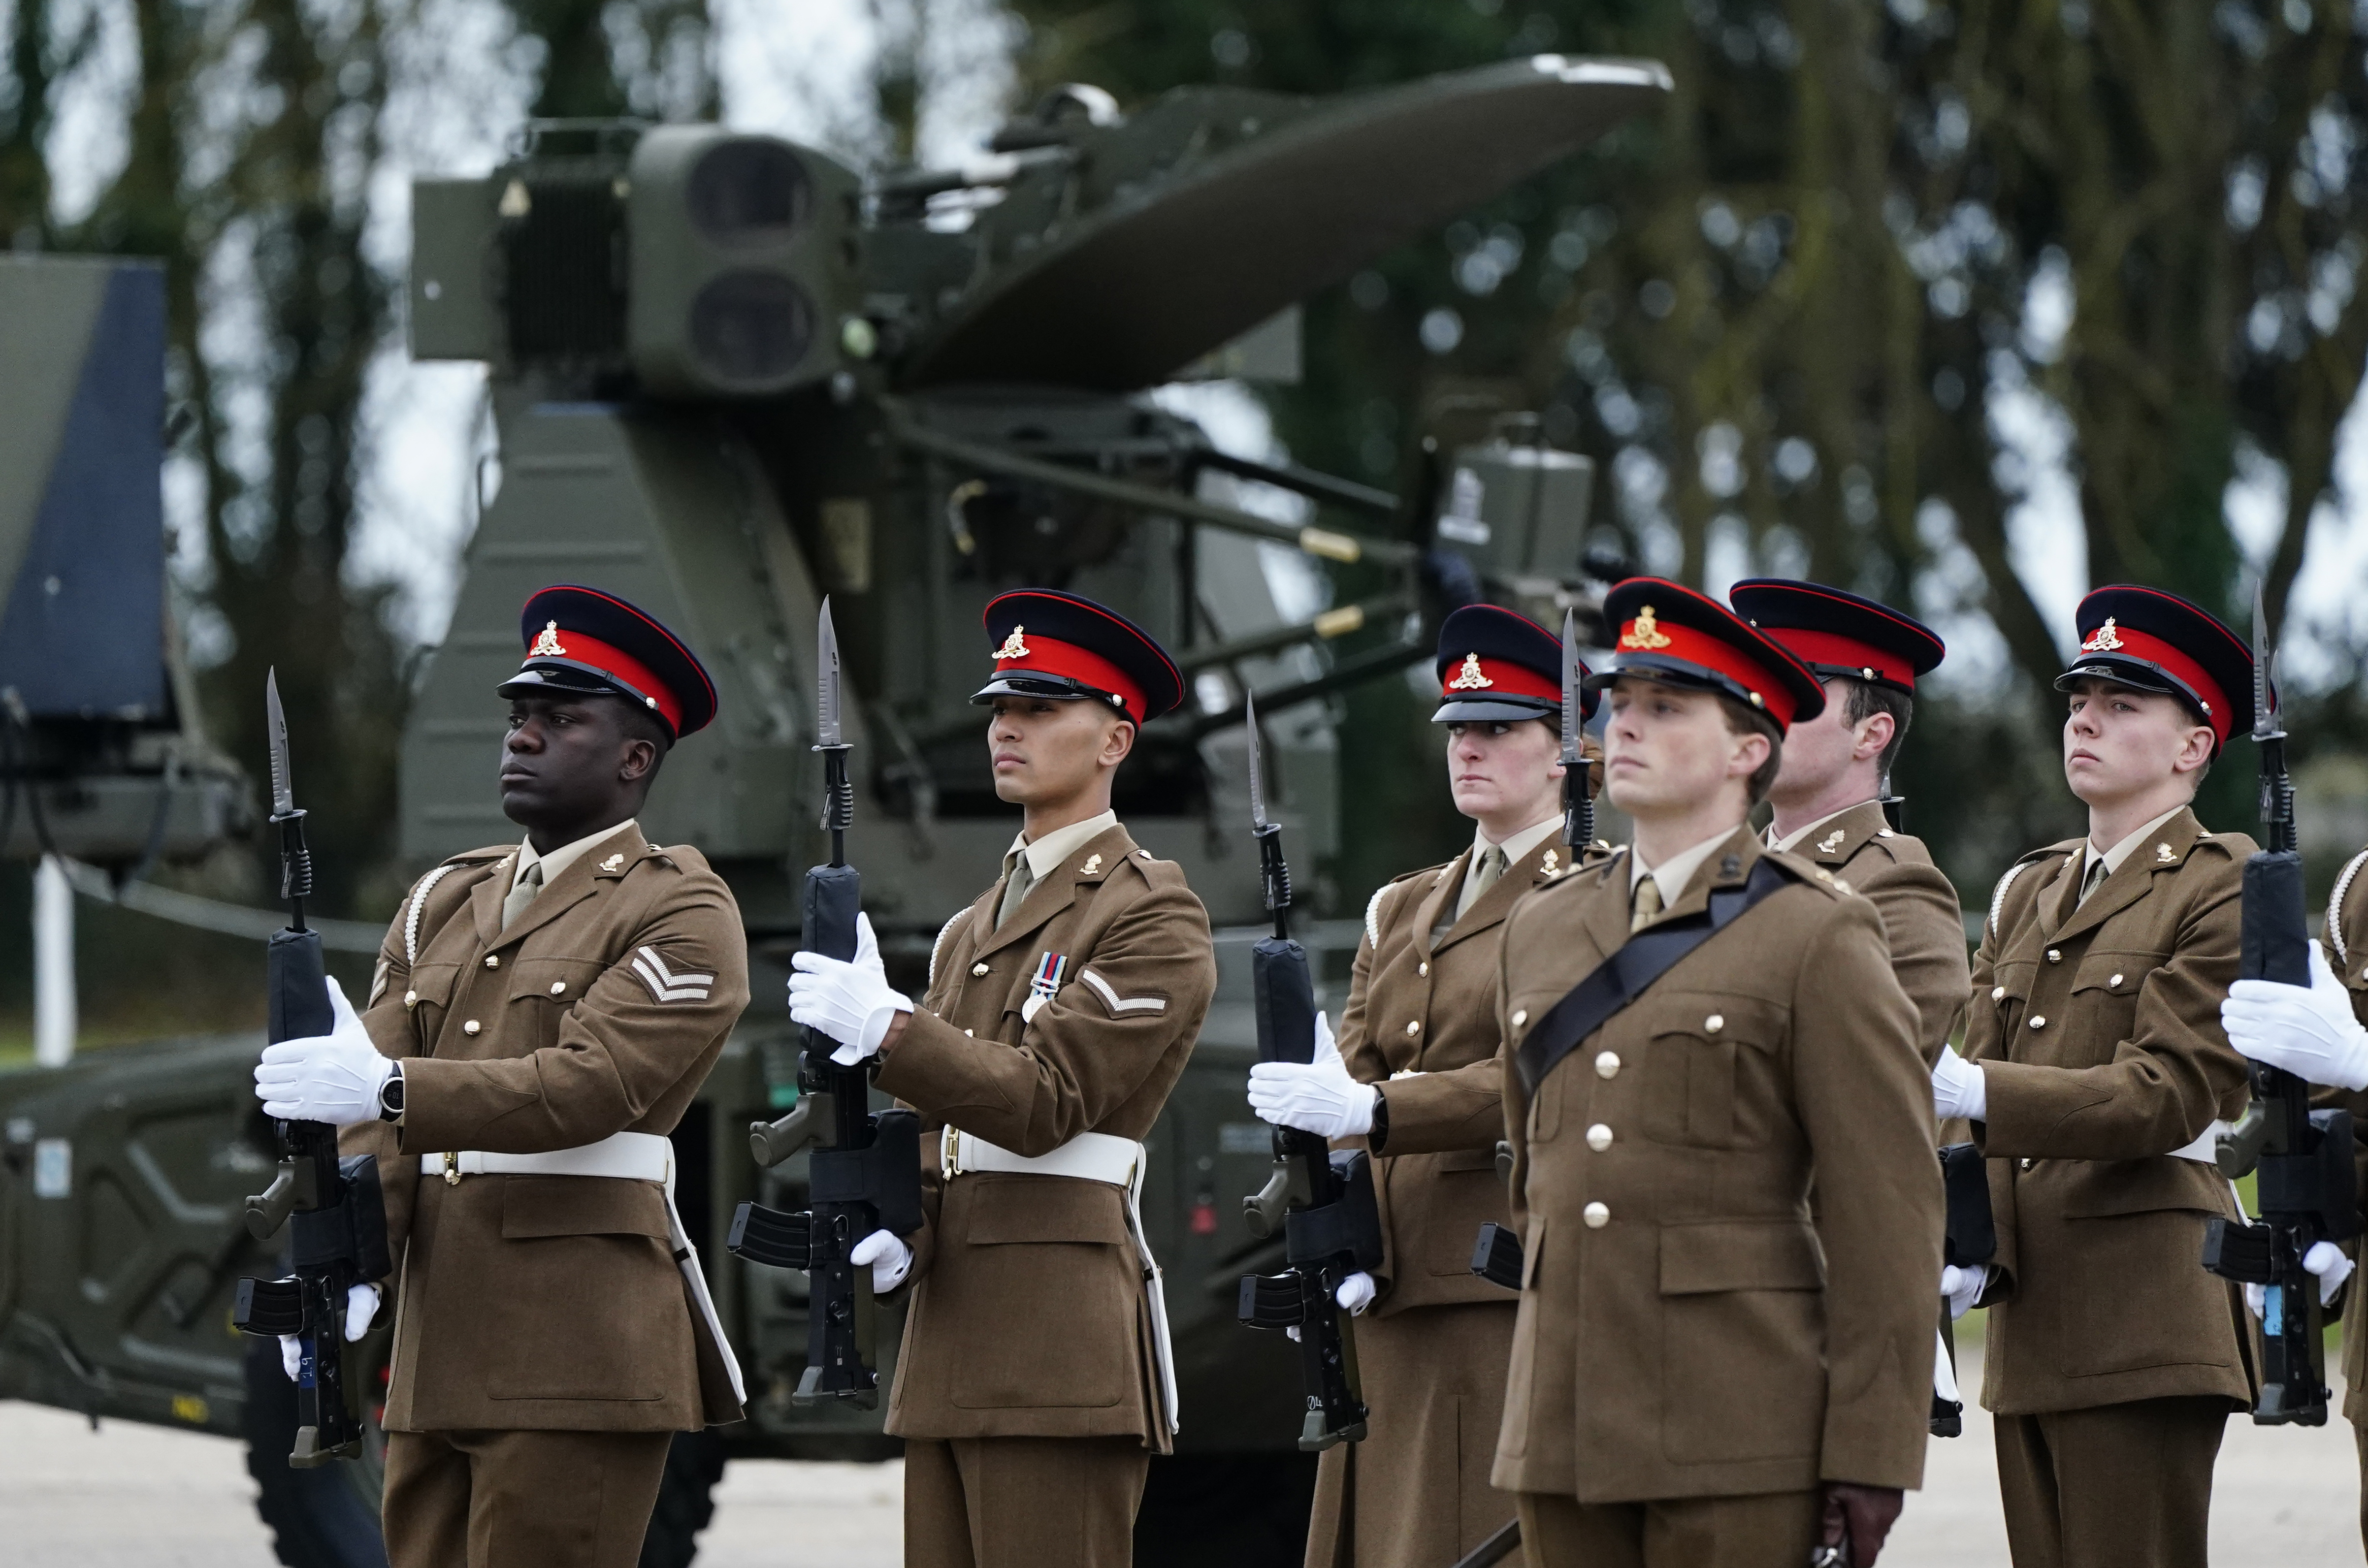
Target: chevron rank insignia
{"points": [[666, 985]]}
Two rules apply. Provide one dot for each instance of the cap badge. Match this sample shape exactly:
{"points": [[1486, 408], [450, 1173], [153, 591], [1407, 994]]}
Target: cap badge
{"points": [[1469, 677], [1643, 631], [1831, 842], [547, 646], [1013, 648], [2104, 640]]}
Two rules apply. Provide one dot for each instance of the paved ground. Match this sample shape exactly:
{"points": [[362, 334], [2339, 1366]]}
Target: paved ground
{"points": [[137, 1497]]}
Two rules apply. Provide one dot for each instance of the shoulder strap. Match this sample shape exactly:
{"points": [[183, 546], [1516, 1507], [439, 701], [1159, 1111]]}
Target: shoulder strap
{"points": [[1629, 973]]}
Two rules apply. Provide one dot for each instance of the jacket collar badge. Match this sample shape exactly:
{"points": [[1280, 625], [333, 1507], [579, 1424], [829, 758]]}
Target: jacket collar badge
{"points": [[2163, 856], [1551, 865], [1093, 863], [1831, 842], [613, 861]]}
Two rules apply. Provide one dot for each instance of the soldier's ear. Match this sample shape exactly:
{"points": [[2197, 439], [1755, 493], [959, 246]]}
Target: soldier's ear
{"points": [[1118, 741]]}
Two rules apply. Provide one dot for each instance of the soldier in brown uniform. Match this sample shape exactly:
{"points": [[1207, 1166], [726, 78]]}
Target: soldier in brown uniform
{"points": [[1034, 1382], [541, 1016], [1828, 793], [2315, 1032], [2094, 1070], [1416, 1075], [1705, 1371]]}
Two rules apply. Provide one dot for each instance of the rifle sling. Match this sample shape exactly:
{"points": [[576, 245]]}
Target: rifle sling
{"points": [[1629, 973]]}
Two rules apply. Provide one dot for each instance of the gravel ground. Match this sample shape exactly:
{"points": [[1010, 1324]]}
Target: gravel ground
{"points": [[129, 1496]]}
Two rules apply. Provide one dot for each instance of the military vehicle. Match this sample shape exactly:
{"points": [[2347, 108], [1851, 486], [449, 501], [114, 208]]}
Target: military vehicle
{"points": [[730, 375]]}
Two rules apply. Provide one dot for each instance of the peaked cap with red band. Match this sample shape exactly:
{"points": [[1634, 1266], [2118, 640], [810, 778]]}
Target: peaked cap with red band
{"points": [[1062, 646], [1839, 634], [1497, 666], [581, 642], [2152, 640], [1666, 631]]}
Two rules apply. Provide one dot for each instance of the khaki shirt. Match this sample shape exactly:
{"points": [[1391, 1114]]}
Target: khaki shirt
{"points": [[534, 1301], [1421, 1022], [1029, 1317], [2097, 1028], [1689, 1326]]}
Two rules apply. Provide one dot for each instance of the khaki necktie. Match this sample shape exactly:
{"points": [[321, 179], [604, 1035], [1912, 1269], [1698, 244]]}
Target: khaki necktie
{"points": [[1646, 905], [2090, 882], [1482, 877], [523, 895], [1017, 882]]}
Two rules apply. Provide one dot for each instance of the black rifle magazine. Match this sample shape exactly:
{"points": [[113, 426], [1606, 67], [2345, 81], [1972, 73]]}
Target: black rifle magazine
{"points": [[1972, 1235], [1350, 1228], [1496, 1255]]}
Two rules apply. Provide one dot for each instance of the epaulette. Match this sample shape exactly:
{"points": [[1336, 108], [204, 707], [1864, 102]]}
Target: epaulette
{"points": [[1161, 874], [1998, 896], [1374, 904], [1807, 872]]}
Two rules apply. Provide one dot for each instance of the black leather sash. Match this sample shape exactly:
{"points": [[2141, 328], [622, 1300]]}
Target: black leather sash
{"points": [[1629, 973]]}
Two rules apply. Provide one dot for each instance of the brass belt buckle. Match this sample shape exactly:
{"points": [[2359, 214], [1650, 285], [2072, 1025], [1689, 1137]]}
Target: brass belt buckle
{"points": [[949, 1152], [451, 1167]]}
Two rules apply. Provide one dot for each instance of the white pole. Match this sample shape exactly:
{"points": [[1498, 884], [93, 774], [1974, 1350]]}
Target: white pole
{"points": [[53, 964]]}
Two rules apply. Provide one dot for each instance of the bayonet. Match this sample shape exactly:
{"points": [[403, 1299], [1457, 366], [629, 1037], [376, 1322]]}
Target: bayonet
{"points": [[827, 727], [1258, 824], [2265, 686], [295, 857], [837, 792], [283, 790], [1274, 871], [1577, 805]]}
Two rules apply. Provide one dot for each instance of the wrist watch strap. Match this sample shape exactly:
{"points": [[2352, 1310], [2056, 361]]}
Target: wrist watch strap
{"points": [[390, 1095]]}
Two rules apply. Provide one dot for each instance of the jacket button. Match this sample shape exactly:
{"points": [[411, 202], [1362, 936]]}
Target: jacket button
{"points": [[1607, 1065], [1997, 992], [2025, 1163], [1714, 1023], [2055, 955], [493, 960], [2038, 1023], [471, 1027], [1521, 1016], [411, 998], [557, 986], [1596, 1215], [1423, 969], [1598, 1137], [2114, 983], [971, 1033], [1414, 1026], [978, 969]]}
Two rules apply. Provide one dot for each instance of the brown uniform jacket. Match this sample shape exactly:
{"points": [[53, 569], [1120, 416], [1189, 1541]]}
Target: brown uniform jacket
{"points": [[1922, 919], [550, 1303], [1428, 1011], [2098, 1029], [1703, 1333], [1029, 1316], [2347, 953]]}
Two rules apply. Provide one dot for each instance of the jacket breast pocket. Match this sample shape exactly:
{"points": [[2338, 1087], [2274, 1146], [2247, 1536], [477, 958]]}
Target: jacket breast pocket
{"points": [[1701, 1045], [589, 1255], [2105, 995], [1044, 1289], [1737, 1294], [545, 990], [427, 995]]}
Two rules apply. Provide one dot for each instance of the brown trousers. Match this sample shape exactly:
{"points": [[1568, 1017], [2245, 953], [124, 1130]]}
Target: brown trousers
{"points": [[2119, 1486], [2360, 1440], [1022, 1502], [1777, 1530], [1415, 1494], [520, 1499]]}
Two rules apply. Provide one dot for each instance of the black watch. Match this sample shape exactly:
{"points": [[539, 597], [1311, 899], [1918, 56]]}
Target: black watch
{"points": [[390, 1095], [1379, 1134]]}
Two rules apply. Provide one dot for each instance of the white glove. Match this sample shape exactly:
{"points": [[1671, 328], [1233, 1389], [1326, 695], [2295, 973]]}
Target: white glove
{"points": [[362, 1305], [2309, 1031], [1959, 1088], [333, 1077], [850, 1000], [2324, 1259], [1356, 1293], [1963, 1287], [1319, 1097], [888, 1256]]}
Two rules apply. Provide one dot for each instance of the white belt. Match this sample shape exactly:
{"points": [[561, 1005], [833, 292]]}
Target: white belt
{"points": [[2202, 1151], [626, 1156], [1089, 1157]]}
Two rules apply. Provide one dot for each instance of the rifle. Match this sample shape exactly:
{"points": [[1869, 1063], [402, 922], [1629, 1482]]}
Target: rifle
{"points": [[1971, 1238], [338, 1236], [1577, 804], [1331, 1221], [865, 1172], [2306, 1188]]}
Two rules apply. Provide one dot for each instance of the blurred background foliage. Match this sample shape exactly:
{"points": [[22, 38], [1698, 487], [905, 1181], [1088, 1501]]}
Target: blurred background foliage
{"points": [[1807, 321]]}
